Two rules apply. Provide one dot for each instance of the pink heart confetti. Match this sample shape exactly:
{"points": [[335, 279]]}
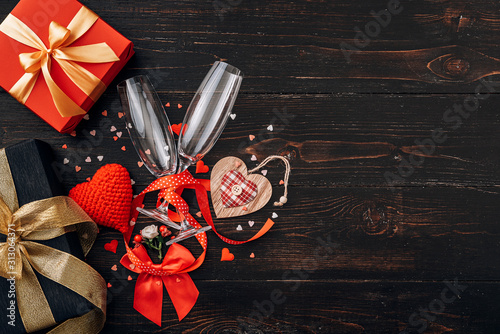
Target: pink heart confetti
{"points": [[140, 163], [264, 172], [78, 168], [251, 137], [119, 134], [148, 151], [93, 133], [114, 268], [88, 159], [252, 255], [113, 129]]}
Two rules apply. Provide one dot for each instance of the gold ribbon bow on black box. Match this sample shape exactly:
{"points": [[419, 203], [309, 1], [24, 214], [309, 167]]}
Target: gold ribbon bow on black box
{"points": [[24, 257]]}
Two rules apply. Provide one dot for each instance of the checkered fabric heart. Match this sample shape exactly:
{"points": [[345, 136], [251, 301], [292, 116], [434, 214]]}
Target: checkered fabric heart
{"points": [[236, 190]]}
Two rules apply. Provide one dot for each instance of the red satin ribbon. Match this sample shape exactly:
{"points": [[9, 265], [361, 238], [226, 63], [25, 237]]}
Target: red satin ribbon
{"points": [[149, 290]]}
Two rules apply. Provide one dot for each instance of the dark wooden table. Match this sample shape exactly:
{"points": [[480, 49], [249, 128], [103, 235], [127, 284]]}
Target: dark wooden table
{"points": [[380, 234]]}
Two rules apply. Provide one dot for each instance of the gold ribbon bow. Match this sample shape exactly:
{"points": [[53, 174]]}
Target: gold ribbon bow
{"points": [[20, 256], [60, 39]]}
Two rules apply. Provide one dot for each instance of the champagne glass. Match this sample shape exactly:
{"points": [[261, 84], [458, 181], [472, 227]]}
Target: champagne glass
{"points": [[150, 132], [203, 123]]}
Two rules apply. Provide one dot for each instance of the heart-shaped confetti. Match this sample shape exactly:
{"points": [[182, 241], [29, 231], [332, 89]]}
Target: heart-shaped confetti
{"points": [[132, 266], [93, 132], [239, 228], [148, 151], [179, 106], [282, 182], [270, 127], [73, 134], [140, 163], [158, 283], [88, 179], [114, 268], [274, 215], [115, 138], [176, 128], [100, 157], [119, 134], [198, 214], [226, 255], [233, 116], [132, 182], [66, 161], [65, 146], [120, 114], [178, 280], [167, 105], [105, 113], [244, 208], [201, 167], [251, 137], [113, 128], [132, 223], [129, 278], [252, 255], [253, 158], [86, 117], [251, 223], [124, 148], [111, 246], [264, 172], [88, 159], [78, 168], [109, 285]]}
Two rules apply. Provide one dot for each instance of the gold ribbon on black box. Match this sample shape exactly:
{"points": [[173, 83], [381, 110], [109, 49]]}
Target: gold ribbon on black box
{"points": [[21, 256]]}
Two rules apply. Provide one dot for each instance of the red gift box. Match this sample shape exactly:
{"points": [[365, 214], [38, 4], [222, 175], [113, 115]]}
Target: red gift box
{"points": [[39, 16]]}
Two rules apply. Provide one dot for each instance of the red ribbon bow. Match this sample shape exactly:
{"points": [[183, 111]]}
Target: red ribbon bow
{"points": [[148, 299]]}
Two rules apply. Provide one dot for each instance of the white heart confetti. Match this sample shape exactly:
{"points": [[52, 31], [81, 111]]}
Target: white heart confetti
{"points": [[65, 161], [264, 172], [119, 134], [233, 116], [132, 182], [275, 215], [253, 158], [113, 129], [270, 127], [100, 157], [88, 159], [250, 223], [130, 125], [239, 228]]}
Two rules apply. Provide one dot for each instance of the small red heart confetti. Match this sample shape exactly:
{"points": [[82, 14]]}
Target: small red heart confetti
{"points": [[252, 255], [167, 105], [65, 146], [178, 280], [115, 138], [124, 148], [132, 266], [198, 214], [113, 128], [109, 285], [226, 255], [88, 179], [252, 137], [120, 115], [176, 128], [244, 208], [111, 246], [282, 182], [129, 277], [93, 133], [270, 127], [78, 168], [114, 268], [201, 167], [105, 113], [140, 163], [73, 134], [179, 106], [148, 151]]}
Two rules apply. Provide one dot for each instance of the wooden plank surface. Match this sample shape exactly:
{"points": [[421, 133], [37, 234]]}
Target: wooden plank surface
{"points": [[390, 221]]}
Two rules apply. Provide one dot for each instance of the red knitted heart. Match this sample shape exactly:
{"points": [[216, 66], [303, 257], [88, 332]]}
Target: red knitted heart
{"points": [[107, 198]]}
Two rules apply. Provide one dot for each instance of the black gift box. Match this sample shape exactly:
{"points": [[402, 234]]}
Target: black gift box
{"points": [[34, 178]]}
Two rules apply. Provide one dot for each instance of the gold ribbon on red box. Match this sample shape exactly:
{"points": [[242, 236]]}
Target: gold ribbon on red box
{"points": [[60, 50]]}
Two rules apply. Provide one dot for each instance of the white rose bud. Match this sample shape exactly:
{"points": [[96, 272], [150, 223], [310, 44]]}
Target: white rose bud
{"points": [[150, 232]]}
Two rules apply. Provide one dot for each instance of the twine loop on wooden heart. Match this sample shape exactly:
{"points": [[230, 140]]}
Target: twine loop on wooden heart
{"points": [[283, 199]]}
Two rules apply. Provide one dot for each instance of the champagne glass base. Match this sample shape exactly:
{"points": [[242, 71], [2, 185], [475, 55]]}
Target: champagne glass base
{"points": [[159, 216], [183, 235]]}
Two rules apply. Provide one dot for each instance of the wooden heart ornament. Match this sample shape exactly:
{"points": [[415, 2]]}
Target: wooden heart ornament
{"points": [[235, 192]]}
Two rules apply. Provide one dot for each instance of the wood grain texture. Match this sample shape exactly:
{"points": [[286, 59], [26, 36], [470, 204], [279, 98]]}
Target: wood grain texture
{"points": [[345, 124]]}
